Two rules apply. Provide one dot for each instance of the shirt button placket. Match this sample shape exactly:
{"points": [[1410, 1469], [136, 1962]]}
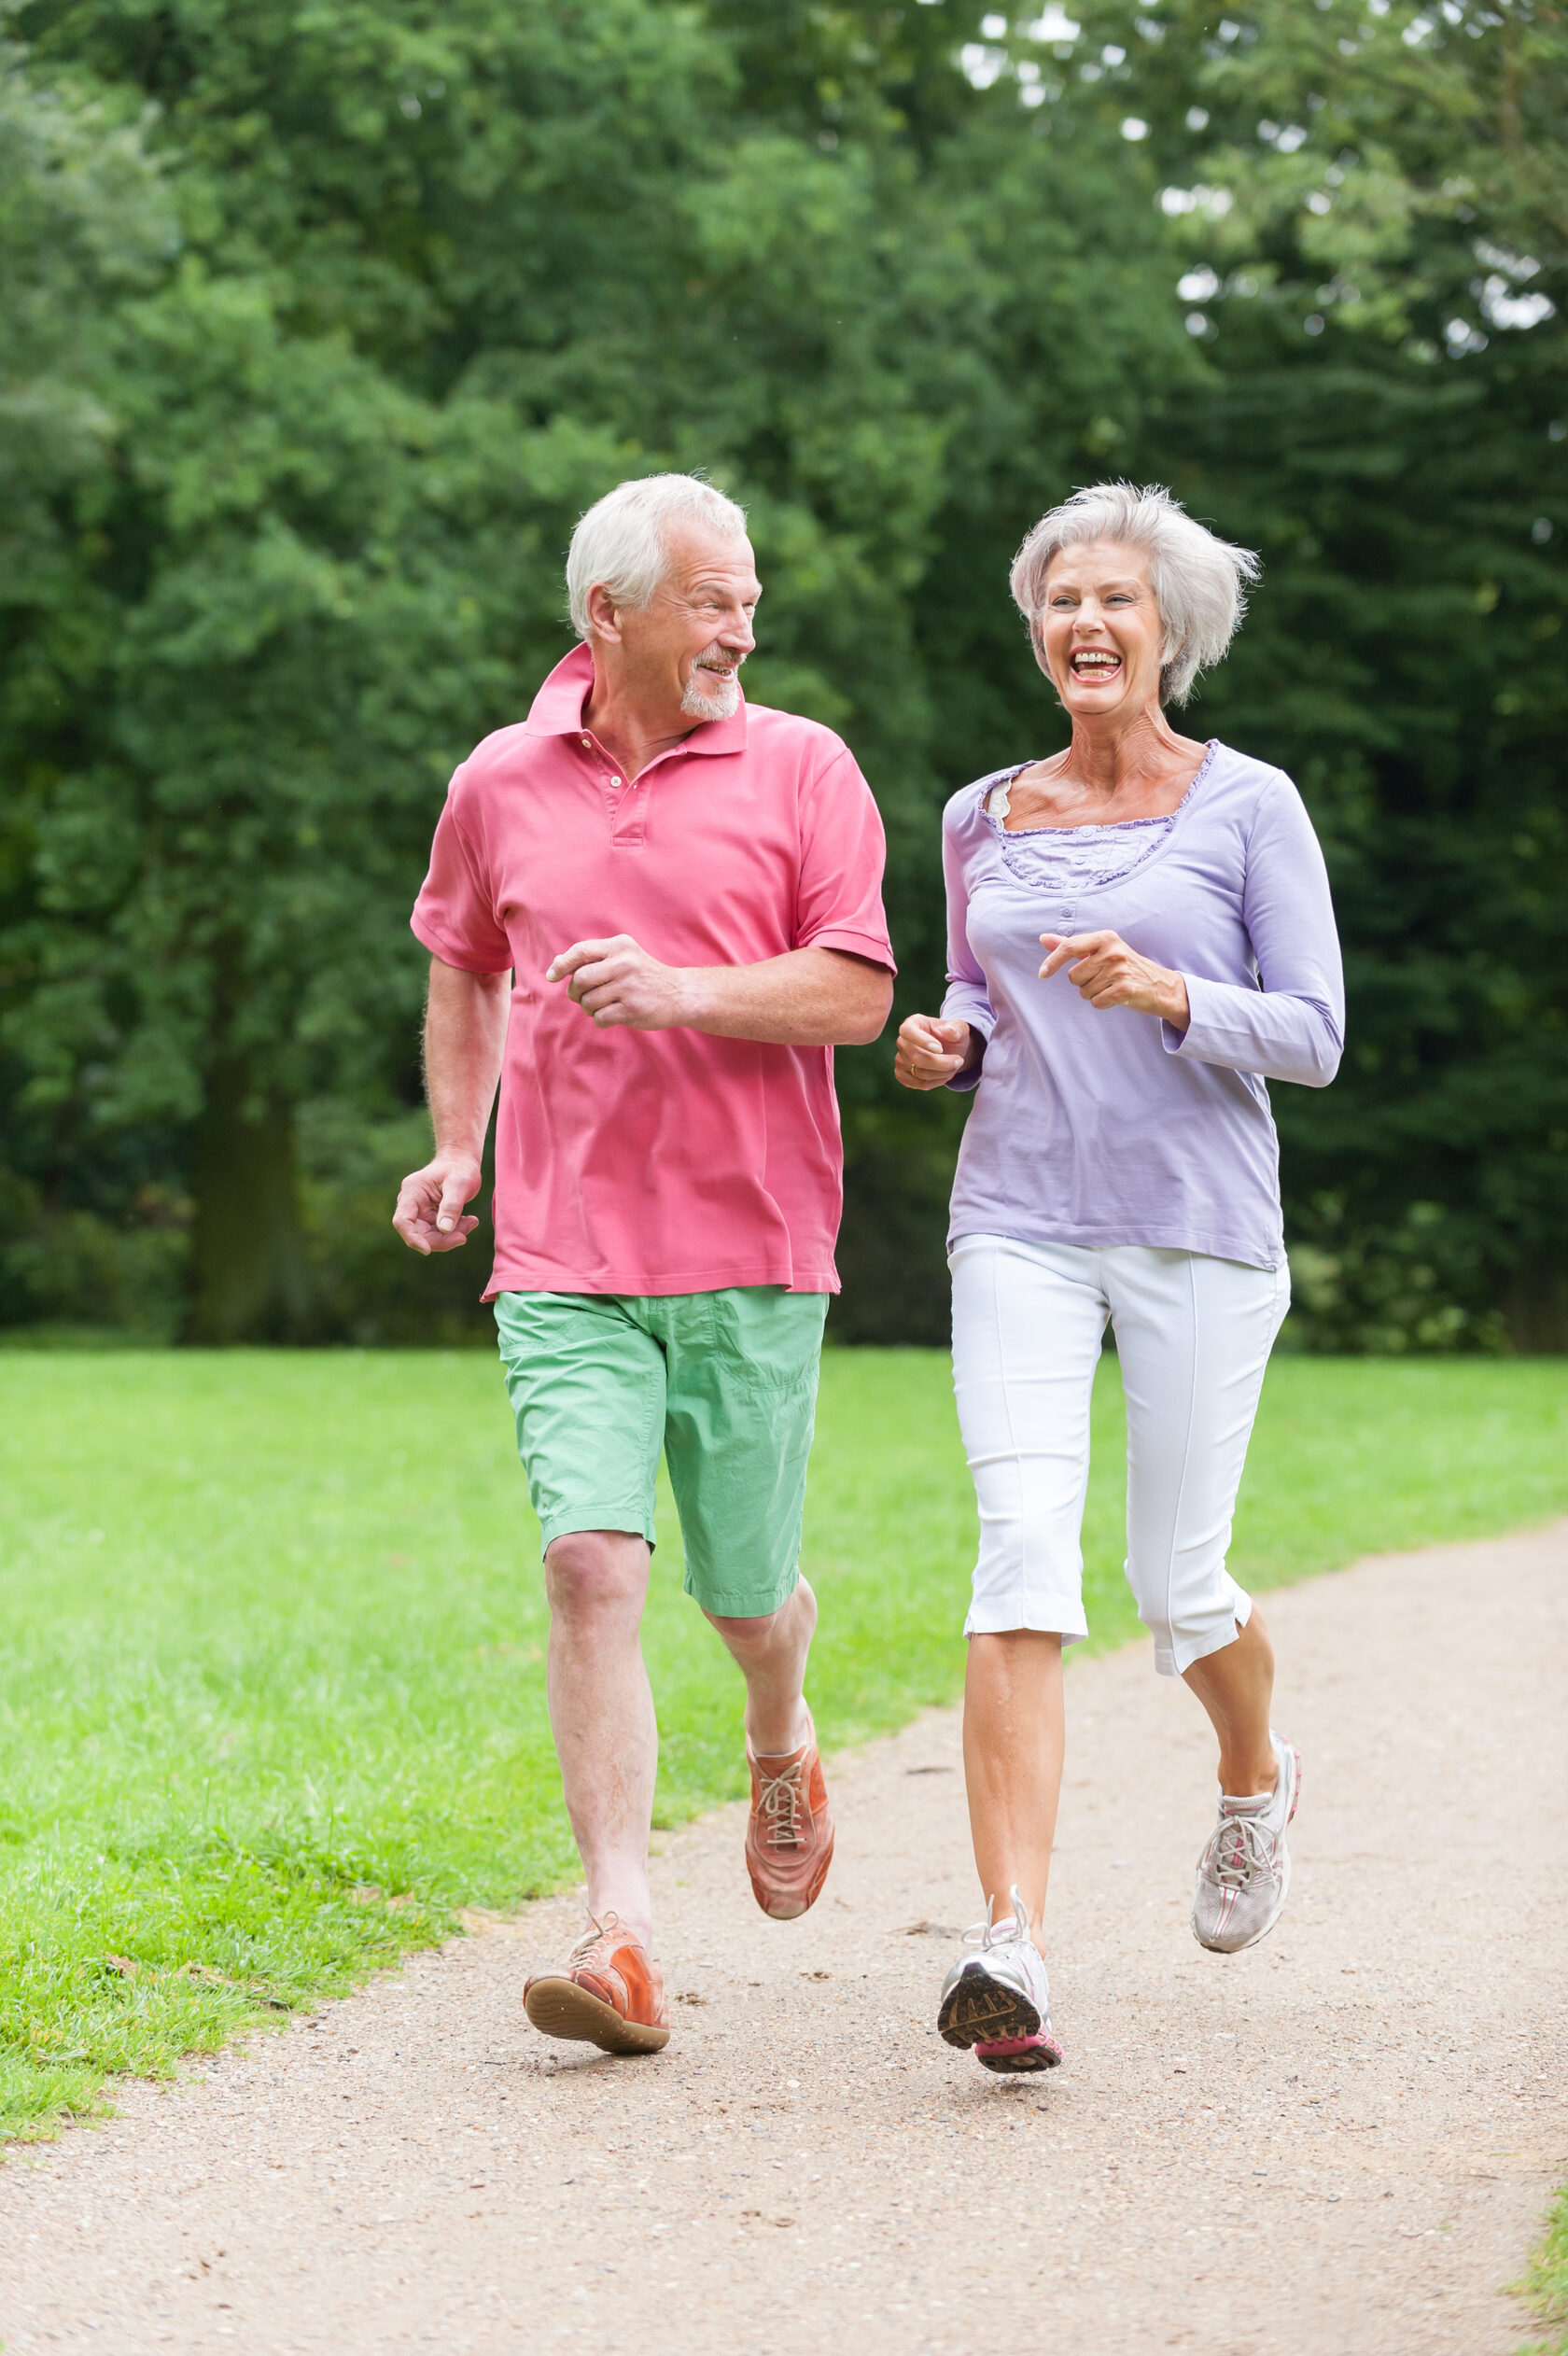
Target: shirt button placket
{"points": [[626, 826]]}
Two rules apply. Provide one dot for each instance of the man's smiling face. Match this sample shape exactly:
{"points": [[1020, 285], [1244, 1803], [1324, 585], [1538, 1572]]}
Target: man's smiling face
{"points": [[683, 651]]}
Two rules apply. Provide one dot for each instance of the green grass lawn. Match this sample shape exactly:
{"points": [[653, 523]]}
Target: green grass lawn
{"points": [[1545, 2285], [272, 1688]]}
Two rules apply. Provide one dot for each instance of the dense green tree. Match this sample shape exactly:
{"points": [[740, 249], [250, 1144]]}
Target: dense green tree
{"points": [[319, 328], [440, 280]]}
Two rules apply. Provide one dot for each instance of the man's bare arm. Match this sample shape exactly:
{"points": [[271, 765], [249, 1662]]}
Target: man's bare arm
{"points": [[464, 1037], [807, 998]]}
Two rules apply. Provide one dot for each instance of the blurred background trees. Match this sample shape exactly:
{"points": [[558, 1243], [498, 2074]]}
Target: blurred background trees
{"points": [[318, 327]]}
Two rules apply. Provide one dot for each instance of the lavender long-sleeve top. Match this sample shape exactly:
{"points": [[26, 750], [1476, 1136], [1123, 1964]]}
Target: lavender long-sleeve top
{"points": [[1103, 1126]]}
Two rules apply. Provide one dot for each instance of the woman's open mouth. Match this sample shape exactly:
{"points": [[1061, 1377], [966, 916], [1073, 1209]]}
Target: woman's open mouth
{"points": [[1095, 665]]}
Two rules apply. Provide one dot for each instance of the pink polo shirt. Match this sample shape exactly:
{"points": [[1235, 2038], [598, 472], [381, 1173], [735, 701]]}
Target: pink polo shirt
{"points": [[656, 1161]]}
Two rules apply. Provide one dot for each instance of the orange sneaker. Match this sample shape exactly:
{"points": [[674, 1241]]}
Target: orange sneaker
{"points": [[611, 1992], [790, 1837]]}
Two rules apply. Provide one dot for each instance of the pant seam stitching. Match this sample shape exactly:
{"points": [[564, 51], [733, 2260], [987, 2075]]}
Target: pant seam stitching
{"points": [[1181, 1482]]}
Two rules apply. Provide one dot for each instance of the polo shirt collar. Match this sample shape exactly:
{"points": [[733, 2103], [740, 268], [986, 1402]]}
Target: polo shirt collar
{"points": [[557, 710]]}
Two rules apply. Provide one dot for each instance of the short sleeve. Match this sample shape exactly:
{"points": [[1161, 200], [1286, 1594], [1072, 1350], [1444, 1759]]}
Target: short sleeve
{"points": [[454, 915], [843, 853]]}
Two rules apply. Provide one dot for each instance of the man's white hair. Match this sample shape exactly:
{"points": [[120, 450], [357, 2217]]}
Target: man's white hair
{"points": [[622, 541], [1200, 580]]}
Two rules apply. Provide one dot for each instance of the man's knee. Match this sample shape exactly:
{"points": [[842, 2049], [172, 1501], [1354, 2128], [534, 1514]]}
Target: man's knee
{"points": [[746, 1635], [798, 1610], [597, 1574]]}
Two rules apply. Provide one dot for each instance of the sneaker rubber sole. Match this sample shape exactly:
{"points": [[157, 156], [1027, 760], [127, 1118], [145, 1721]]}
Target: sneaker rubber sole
{"points": [[559, 2008], [980, 2011], [1013, 2057]]}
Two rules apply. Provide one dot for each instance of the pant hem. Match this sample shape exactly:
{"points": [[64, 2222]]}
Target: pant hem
{"points": [[1175, 1661], [1061, 1623], [741, 1604], [629, 1520]]}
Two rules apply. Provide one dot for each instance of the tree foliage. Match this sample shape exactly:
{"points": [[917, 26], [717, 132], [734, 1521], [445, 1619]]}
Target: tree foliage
{"points": [[320, 327]]}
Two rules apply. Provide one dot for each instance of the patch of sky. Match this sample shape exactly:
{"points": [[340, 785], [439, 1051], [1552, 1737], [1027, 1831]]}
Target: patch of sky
{"points": [[1199, 285], [1054, 25], [981, 64], [1215, 202]]}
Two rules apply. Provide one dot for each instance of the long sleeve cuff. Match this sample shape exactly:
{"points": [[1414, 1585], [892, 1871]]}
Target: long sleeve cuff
{"points": [[1271, 1032], [965, 1004]]}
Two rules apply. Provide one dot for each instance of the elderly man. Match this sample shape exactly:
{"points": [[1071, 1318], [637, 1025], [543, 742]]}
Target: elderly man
{"points": [[652, 912]]}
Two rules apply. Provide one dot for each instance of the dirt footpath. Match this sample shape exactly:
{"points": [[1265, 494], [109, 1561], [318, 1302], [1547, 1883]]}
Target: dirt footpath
{"points": [[1338, 2144]]}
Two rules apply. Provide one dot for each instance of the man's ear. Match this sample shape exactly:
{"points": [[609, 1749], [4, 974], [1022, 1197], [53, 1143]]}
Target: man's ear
{"points": [[603, 615]]}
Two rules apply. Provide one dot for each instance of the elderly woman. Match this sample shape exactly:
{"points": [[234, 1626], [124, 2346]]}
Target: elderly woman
{"points": [[1119, 1166]]}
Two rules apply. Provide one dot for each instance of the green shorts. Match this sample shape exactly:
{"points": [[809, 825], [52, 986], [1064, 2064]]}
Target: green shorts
{"points": [[724, 1382]]}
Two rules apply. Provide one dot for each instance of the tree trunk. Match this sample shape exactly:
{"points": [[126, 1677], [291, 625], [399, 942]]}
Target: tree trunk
{"points": [[1536, 1311], [250, 1279]]}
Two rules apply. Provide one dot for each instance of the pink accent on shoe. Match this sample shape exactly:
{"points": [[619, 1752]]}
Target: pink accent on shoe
{"points": [[1037, 2043], [1011, 2056]]}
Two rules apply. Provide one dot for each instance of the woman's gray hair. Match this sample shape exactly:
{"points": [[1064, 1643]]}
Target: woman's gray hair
{"points": [[1200, 580], [621, 542]]}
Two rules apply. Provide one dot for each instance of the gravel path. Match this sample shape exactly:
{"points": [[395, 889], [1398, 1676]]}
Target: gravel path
{"points": [[1337, 2144]]}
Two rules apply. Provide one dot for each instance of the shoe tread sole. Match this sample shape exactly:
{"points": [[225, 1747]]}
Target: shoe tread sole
{"points": [[559, 2008], [979, 2010], [1021, 2065]]}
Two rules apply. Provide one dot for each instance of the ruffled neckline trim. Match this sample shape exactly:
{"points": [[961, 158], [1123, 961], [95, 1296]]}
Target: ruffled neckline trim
{"points": [[1107, 826]]}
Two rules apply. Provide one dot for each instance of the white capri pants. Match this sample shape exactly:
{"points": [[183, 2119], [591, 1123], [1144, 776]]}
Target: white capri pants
{"points": [[1194, 1336]]}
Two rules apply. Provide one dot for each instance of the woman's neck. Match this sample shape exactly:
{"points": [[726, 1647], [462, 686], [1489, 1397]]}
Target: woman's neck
{"points": [[1110, 761]]}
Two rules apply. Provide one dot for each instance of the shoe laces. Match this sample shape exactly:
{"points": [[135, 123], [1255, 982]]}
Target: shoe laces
{"points": [[1237, 1848], [778, 1804], [990, 1934], [610, 1934]]}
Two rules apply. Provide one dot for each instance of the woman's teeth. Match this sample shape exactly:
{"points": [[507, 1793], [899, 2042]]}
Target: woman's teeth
{"points": [[1096, 665]]}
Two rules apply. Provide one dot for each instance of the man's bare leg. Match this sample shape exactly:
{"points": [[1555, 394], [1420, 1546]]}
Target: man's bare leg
{"points": [[789, 1836], [601, 1713], [771, 1655]]}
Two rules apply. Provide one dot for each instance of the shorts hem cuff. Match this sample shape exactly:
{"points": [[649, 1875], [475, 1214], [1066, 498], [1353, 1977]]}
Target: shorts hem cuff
{"points": [[740, 1606], [630, 1520]]}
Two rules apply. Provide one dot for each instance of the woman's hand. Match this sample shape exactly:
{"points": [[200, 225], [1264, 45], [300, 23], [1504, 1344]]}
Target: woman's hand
{"points": [[1108, 974], [931, 1052]]}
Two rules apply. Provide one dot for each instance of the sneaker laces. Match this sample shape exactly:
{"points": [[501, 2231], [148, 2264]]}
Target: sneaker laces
{"points": [[989, 1934], [612, 1932], [1250, 1851], [778, 1804]]}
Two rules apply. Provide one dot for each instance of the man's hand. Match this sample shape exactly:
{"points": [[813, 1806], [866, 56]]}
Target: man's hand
{"points": [[429, 1213], [617, 982], [1108, 974], [930, 1053]]}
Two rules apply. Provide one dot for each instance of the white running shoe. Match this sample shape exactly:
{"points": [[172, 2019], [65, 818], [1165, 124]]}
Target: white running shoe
{"points": [[999, 2002], [1244, 1872]]}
